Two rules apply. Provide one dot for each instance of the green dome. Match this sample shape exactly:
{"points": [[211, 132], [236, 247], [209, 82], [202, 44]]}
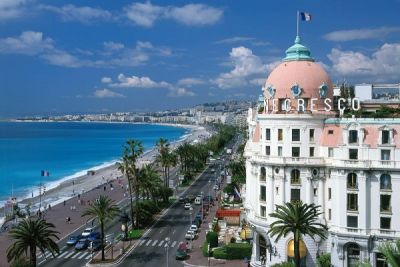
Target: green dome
{"points": [[298, 52]]}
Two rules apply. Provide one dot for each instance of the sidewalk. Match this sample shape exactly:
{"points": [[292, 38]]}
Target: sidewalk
{"points": [[197, 259]]}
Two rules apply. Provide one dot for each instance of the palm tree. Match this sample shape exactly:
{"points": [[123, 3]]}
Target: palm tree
{"points": [[391, 252], [297, 218], [132, 151], [166, 158], [31, 235], [102, 209], [150, 181]]}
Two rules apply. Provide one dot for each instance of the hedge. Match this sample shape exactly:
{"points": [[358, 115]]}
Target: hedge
{"points": [[135, 234], [205, 249], [212, 238], [283, 264], [233, 251], [324, 260]]}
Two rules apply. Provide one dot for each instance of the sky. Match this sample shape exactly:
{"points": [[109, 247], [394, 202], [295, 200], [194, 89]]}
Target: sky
{"points": [[68, 57]]}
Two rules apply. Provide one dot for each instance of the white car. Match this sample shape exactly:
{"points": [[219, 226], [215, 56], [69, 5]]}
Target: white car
{"points": [[190, 235], [87, 232], [193, 228], [187, 206], [216, 187]]}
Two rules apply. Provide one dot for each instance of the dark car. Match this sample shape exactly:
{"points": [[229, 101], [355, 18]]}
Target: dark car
{"points": [[73, 239], [190, 198], [95, 245], [181, 199], [82, 244], [94, 236], [181, 252]]}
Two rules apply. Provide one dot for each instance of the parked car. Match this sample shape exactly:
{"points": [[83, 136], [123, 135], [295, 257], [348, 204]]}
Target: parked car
{"points": [[190, 235], [197, 201], [197, 221], [194, 228], [94, 236], [181, 252], [82, 244], [188, 206], [73, 239], [87, 232], [95, 245], [216, 187]]}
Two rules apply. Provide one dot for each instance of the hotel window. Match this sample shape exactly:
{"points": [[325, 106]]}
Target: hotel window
{"points": [[311, 135], [315, 192], [295, 152], [312, 151], [294, 195], [267, 150], [330, 152], [385, 137], [353, 153], [386, 182], [329, 214], [352, 221], [329, 193], [352, 202], [295, 177], [352, 181], [385, 154], [385, 203], [263, 174], [280, 134], [263, 193], [263, 211], [385, 223], [330, 131], [267, 134], [380, 260], [295, 135], [279, 151], [353, 136]]}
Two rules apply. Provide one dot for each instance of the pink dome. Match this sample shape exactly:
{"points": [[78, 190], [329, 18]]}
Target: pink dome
{"points": [[308, 75]]}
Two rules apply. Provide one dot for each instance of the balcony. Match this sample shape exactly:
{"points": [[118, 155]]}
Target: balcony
{"points": [[288, 160], [386, 209]]}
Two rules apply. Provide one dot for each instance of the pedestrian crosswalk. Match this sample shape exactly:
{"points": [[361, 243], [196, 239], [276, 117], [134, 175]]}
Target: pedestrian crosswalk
{"points": [[156, 243], [69, 254]]}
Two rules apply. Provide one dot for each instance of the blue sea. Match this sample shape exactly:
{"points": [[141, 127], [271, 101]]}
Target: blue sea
{"points": [[66, 150]]}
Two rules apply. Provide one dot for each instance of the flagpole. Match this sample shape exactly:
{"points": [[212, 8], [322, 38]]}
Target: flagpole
{"points": [[297, 32]]}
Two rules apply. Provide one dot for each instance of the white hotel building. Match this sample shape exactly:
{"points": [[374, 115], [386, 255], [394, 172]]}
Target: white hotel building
{"points": [[351, 167]]}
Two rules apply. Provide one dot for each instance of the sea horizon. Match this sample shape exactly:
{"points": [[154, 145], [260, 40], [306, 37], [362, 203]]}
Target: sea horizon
{"points": [[29, 147]]}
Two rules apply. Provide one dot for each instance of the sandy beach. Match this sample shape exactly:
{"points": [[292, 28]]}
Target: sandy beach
{"points": [[58, 192]]}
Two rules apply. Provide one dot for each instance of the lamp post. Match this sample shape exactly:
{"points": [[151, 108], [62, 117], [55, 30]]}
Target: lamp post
{"points": [[190, 214], [202, 208], [167, 247], [123, 229], [209, 193]]}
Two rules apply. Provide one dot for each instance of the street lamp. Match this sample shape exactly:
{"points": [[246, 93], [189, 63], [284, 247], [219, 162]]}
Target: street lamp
{"points": [[167, 247], [209, 193], [202, 207], [190, 213]]}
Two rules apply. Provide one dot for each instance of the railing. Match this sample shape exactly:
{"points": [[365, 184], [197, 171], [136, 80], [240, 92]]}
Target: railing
{"points": [[288, 160], [387, 209], [363, 231]]}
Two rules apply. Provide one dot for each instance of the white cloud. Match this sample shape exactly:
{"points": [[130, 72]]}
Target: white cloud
{"points": [[146, 14], [106, 80], [106, 93], [189, 82], [10, 9], [258, 81], [113, 46], [360, 34], [234, 40], [180, 92], [28, 43], [63, 59], [246, 65], [138, 82], [82, 14], [382, 65]]}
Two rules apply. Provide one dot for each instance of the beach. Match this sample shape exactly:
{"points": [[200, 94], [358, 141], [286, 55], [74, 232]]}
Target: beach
{"points": [[57, 192]]}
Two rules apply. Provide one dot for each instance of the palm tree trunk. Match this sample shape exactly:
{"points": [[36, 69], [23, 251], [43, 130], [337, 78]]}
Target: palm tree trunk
{"points": [[297, 251], [103, 258], [33, 255], [131, 202], [137, 206], [167, 185]]}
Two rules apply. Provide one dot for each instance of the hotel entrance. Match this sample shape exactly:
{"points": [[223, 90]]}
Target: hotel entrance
{"points": [[303, 252]]}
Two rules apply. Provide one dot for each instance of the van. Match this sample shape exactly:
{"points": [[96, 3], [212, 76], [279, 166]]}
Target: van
{"points": [[197, 201]]}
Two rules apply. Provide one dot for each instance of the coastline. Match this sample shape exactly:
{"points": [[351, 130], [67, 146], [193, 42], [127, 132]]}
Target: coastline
{"points": [[72, 185]]}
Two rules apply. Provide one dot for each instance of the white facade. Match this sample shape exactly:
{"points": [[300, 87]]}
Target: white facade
{"points": [[350, 167]]}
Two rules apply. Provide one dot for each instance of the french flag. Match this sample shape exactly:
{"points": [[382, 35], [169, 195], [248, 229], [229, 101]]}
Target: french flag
{"points": [[305, 16], [45, 173]]}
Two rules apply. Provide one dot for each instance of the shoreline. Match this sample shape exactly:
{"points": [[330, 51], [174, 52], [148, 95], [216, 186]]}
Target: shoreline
{"points": [[67, 187]]}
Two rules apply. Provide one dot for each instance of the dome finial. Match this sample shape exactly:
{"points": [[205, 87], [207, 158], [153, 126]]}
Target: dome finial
{"points": [[298, 52], [297, 40]]}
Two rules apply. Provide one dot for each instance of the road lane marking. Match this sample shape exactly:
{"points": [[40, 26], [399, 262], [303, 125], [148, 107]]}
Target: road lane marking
{"points": [[148, 243], [83, 255], [173, 244], [63, 254], [75, 255], [69, 255], [161, 242], [88, 257], [154, 243], [142, 242], [166, 244]]}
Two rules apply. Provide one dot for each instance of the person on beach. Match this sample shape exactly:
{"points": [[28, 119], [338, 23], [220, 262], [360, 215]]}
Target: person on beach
{"points": [[105, 188], [49, 207], [65, 203]]}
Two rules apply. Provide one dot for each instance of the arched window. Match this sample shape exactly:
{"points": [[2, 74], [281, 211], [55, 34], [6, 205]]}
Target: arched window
{"points": [[352, 181], [353, 254], [263, 174], [263, 249], [386, 182], [295, 177]]}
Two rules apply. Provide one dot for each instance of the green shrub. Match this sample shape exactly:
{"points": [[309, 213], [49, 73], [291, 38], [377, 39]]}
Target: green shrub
{"points": [[233, 251], [283, 264], [135, 234], [205, 249], [212, 239], [21, 262], [324, 260]]}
